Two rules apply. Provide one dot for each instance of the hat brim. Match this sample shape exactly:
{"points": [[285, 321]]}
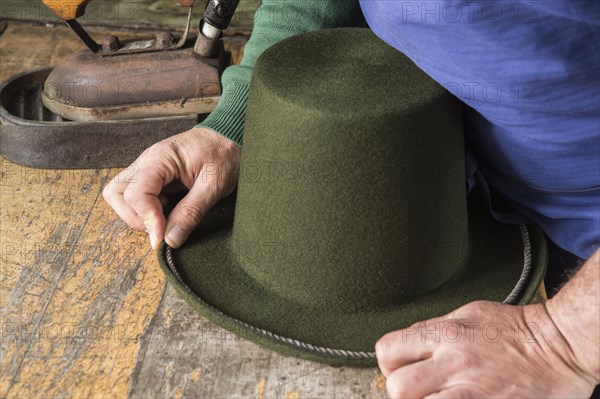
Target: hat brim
{"points": [[206, 274]]}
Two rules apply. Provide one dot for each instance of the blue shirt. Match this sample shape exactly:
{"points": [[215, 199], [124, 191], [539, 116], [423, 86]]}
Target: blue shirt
{"points": [[529, 72]]}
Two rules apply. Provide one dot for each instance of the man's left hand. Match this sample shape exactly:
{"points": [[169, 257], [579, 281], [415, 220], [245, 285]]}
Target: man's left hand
{"points": [[483, 349]]}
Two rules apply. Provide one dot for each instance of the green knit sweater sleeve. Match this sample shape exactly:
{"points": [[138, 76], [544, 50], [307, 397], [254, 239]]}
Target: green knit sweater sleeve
{"points": [[274, 20]]}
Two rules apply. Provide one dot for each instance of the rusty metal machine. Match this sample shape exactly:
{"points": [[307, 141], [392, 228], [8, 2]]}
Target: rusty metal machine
{"points": [[103, 105]]}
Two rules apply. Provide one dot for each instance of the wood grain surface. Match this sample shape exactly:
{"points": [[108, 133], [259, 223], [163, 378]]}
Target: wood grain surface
{"points": [[84, 308]]}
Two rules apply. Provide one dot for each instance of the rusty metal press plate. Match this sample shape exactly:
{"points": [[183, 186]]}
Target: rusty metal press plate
{"points": [[31, 135]]}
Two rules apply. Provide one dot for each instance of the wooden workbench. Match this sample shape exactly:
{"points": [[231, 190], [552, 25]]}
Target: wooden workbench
{"points": [[84, 308]]}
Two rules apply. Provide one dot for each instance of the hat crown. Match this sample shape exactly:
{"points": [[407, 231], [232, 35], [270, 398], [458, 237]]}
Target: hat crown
{"points": [[352, 189]]}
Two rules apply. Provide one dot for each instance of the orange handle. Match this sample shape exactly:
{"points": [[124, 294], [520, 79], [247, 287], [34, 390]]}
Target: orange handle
{"points": [[184, 3], [67, 9]]}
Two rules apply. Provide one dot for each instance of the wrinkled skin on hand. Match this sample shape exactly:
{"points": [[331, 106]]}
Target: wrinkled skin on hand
{"points": [[483, 350], [199, 160]]}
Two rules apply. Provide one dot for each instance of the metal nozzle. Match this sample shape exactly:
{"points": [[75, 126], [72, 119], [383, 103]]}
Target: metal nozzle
{"points": [[208, 39], [217, 17]]}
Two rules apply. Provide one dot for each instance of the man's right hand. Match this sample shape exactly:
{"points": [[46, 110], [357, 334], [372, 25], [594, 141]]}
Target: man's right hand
{"points": [[199, 160]]}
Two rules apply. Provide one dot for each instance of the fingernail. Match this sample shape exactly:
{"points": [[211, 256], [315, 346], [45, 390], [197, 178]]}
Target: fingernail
{"points": [[176, 236], [153, 240]]}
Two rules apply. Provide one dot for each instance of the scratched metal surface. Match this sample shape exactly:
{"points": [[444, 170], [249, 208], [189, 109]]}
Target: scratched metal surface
{"points": [[84, 308]]}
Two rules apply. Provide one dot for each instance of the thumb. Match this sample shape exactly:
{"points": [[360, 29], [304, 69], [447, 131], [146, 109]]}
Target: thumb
{"points": [[188, 213]]}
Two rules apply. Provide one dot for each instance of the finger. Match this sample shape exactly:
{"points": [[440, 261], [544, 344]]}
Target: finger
{"points": [[149, 210], [415, 380], [409, 345], [143, 197], [113, 195], [188, 213], [453, 393], [127, 214]]}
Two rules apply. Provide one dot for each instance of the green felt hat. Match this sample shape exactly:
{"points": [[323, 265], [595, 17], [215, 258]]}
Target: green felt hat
{"points": [[352, 218]]}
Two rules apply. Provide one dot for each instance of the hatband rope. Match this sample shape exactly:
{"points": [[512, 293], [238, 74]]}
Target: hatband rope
{"points": [[512, 297]]}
